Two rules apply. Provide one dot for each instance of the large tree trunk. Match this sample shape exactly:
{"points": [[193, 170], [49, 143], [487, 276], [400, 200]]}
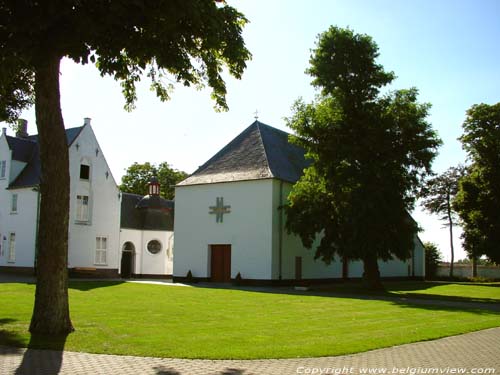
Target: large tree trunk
{"points": [[371, 273], [51, 310], [450, 223]]}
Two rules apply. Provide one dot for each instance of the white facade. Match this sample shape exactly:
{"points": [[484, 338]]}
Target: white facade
{"points": [[261, 249], [145, 262], [18, 225], [93, 237], [103, 218], [248, 228]]}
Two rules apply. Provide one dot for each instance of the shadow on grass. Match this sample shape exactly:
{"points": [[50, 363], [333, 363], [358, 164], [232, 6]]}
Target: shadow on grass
{"points": [[43, 361], [161, 370], [357, 290], [9, 338], [86, 285], [34, 360]]}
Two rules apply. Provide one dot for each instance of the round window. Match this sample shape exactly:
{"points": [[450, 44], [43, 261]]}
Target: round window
{"points": [[154, 246]]}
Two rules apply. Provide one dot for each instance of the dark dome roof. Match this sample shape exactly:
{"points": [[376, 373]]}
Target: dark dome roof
{"points": [[149, 212], [155, 201]]}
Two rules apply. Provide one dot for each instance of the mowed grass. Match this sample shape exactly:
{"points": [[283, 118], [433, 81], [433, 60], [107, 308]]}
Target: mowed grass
{"points": [[460, 291], [185, 322], [433, 290]]}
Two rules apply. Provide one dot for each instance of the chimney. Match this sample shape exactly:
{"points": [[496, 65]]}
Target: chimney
{"points": [[22, 128], [4, 131], [86, 121]]}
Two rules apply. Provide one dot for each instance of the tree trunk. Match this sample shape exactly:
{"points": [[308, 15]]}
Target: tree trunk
{"points": [[474, 266], [371, 273], [450, 223], [51, 310]]}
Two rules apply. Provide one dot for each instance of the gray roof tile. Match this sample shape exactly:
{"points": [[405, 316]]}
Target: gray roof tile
{"points": [[259, 152], [26, 150]]}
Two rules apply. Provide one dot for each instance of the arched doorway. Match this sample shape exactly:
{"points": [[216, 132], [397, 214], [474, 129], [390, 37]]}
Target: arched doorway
{"points": [[127, 263]]}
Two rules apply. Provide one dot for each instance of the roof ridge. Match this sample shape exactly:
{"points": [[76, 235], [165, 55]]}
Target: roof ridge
{"points": [[224, 149], [21, 139], [258, 123]]}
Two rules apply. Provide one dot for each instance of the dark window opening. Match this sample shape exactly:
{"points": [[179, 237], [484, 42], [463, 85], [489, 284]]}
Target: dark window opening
{"points": [[84, 172]]}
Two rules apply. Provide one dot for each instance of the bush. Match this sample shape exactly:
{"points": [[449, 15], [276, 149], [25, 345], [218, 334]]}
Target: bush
{"points": [[432, 259]]}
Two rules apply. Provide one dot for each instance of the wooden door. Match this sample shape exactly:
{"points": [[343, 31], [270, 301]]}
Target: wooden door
{"points": [[126, 264], [220, 263], [298, 268]]}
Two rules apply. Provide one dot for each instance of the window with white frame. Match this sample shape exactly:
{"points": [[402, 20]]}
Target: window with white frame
{"points": [[3, 168], [101, 247], [82, 208], [12, 247], [13, 204]]}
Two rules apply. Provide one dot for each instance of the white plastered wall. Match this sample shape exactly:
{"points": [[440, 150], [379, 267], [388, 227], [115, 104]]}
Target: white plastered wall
{"points": [[104, 205], [146, 263], [22, 222], [248, 228]]}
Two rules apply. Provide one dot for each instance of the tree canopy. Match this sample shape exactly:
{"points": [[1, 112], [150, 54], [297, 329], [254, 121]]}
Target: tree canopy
{"points": [[189, 42], [369, 154], [438, 196], [478, 199], [138, 176]]}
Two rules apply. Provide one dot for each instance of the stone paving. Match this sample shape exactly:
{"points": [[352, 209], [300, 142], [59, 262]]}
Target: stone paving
{"points": [[471, 353]]}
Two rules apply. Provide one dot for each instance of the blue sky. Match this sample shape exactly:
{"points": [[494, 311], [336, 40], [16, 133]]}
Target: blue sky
{"points": [[448, 49]]}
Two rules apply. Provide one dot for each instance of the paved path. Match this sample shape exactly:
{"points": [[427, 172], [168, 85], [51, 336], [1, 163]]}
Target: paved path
{"points": [[471, 353]]}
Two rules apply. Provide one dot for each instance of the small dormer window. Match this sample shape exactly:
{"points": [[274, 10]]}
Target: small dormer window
{"points": [[84, 172]]}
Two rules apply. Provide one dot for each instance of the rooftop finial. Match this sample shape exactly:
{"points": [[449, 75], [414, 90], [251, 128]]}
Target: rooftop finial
{"points": [[256, 115]]}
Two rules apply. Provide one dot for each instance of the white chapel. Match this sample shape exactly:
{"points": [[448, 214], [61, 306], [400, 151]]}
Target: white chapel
{"points": [[229, 225]]}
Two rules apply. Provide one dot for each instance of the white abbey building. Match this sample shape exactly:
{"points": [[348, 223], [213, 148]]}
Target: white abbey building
{"points": [[98, 245], [228, 224], [228, 220]]}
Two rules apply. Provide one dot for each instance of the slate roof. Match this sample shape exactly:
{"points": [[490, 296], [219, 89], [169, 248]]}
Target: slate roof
{"points": [[26, 150], [259, 152], [146, 213]]}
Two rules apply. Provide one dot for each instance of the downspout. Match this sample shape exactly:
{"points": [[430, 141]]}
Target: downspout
{"points": [[37, 189], [413, 261], [280, 235]]}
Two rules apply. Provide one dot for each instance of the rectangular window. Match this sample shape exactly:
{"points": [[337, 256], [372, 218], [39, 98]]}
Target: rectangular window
{"points": [[82, 208], [12, 247], [13, 206], [3, 168], [84, 172], [101, 246]]}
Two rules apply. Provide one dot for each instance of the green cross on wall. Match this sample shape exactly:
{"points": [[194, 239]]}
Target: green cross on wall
{"points": [[219, 209]]}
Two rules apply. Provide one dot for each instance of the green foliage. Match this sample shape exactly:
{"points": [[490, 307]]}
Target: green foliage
{"points": [[343, 64], [136, 179], [16, 92], [478, 199], [189, 42], [438, 195], [370, 153], [439, 192], [432, 259]]}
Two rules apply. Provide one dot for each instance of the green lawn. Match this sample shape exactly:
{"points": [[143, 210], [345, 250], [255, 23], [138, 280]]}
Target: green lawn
{"points": [[460, 291], [168, 321]]}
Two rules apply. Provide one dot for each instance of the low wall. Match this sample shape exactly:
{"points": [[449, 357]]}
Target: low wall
{"points": [[465, 271]]}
